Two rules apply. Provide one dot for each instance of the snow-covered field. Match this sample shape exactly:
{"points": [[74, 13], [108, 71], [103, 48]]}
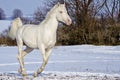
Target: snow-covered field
{"points": [[82, 62]]}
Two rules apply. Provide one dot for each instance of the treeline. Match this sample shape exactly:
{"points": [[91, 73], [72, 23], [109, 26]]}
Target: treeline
{"points": [[94, 22], [16, 13]]}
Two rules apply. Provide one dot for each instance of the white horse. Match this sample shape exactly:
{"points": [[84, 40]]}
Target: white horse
{"points": [[42, 36]]}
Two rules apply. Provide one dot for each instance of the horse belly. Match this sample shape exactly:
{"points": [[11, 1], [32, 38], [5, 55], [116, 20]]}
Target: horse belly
{"points": [[30, 43], [29, 38]]}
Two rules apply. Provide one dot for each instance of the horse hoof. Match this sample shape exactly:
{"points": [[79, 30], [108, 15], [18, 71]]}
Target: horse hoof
{"points": [[35, 74], [24, 73]]}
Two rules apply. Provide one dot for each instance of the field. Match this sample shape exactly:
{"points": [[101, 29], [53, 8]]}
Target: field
{"points": [[81, 62]]}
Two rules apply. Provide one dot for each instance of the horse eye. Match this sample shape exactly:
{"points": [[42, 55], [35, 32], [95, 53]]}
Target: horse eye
{"points": [[61, 12]]}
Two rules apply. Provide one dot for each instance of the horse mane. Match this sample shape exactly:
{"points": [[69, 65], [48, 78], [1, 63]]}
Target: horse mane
{"points": [[49, 14], [51, 11]]}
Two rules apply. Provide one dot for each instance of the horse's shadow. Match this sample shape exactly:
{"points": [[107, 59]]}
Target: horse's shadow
{"points": [[28, 75]]}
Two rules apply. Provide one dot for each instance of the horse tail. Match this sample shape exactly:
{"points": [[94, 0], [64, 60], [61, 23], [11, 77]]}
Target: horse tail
{"points": [[16, 23]]}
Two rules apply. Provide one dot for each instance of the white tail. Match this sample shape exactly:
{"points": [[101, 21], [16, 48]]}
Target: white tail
{"points": [[14, 27]]}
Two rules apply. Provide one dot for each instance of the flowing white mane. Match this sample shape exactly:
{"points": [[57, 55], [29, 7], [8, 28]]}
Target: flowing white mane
{"points": [[49, 14]]}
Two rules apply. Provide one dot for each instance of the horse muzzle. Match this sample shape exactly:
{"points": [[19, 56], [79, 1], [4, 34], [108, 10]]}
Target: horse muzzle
{"points": [[68, 22]]}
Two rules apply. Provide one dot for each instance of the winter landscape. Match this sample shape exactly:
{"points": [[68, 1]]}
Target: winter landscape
{"points": [[84, 52], [81, 62]]}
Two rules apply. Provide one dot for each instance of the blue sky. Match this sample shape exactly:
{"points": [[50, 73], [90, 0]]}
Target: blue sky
{"points": [[27, 6]]}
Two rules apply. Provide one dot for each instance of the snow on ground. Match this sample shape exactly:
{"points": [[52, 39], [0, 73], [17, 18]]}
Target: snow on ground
{"points": [[4, 24], [82, 62]]}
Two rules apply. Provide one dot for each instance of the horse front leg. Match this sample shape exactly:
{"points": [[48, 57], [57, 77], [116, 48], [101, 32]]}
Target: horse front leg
{"points": [[45, 54]]}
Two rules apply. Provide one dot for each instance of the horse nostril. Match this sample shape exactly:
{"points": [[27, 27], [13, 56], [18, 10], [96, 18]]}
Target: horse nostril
{"points": [[68, 20]]}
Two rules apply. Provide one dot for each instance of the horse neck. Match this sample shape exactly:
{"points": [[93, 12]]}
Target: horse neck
{"points": [[51, 22]]}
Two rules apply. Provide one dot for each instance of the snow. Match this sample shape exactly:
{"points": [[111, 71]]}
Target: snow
{"points": [[4, 24], [80, 61]]}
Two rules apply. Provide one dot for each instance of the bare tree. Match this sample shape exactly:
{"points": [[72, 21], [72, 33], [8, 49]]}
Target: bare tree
{"points": [[2, 14], [38, 16], [17, 13], [112, 9]]}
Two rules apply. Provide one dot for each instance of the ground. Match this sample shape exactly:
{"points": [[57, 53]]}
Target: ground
{"points": [[81, 62]]}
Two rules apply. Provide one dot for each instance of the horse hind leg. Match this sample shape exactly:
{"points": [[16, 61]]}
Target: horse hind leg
{"points": [[25, 52], [21, 60]]}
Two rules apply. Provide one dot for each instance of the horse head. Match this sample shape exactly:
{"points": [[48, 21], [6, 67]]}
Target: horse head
{"points": [[62, 15]]}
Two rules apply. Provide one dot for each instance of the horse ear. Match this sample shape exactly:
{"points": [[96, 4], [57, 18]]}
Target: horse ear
{"points": [[58, 3], [64, 2]]}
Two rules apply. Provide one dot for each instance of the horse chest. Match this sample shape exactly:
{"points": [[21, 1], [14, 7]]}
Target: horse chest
{"points": [[48, 39]]}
